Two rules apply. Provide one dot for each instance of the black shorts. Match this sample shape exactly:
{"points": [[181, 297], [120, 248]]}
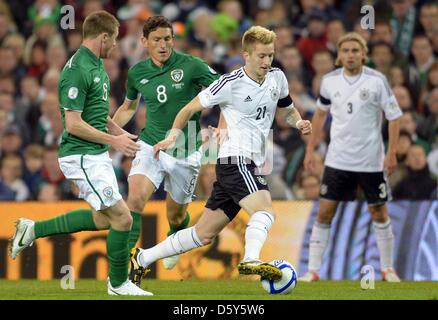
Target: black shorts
{"points": [[341, 185], [235, 179]]}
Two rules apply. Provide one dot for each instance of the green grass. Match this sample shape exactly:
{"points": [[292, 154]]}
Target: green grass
{"points": [[220, 290]]}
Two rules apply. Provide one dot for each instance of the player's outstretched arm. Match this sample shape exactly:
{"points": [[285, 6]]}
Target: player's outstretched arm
{"points": [[125, 112], [79, 128], [183, 116], [390, 162], [318, 121]]}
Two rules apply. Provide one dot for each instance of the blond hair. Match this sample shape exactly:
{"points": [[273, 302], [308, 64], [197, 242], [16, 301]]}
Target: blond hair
{"points": [[257, 34], [352, 36]]}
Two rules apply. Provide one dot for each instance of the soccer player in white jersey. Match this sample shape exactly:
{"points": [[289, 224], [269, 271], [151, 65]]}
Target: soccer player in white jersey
{"points": [[248, 98], [356, 96]]}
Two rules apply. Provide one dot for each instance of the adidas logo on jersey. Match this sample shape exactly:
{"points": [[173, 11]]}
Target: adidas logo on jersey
{"points": [[247, 99], [144, 81]]}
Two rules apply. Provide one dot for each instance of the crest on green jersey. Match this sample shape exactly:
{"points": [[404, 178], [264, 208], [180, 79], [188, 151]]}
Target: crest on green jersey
{"points": [[177, 75]]}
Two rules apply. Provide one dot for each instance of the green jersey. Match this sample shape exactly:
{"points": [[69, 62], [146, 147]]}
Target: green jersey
{"points": [[166, 90], [84, 87]]}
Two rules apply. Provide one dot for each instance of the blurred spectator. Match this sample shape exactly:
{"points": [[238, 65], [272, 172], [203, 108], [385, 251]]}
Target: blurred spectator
{"points": [[423, 60], [37, 63], [403, 24], [6, 26], [285, 37], [10, 172], [233, 8], [316, 38], [408, 123], [335, 30], [45, 10], [396, 77], [10, 64], [74, 40], [429, 128], [382, 57], [293, 66], [131, 45], [33, 163], [51, 172], [28, 106], [11, 141], [207, 176], [428, 16], [49, 124], [382, 33], [56, 57], [307, 187], [322, 62], [50, 82], [17, 43], [117, 80], [301, 97], [417, 170], [4, 122], [49, 193]]}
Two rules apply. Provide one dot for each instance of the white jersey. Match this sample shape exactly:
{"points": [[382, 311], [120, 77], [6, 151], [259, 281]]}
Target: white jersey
{"points": [[248, 108], [355, 136]]}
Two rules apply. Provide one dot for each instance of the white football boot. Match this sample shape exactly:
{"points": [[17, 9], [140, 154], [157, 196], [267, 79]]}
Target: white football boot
{"points": [[127, 289], [23, 237], [389, 275]]}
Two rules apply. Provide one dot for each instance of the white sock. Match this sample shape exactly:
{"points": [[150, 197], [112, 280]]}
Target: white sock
{"points": [[179, 242], [256, 233], [385, 243], [318, 242]]}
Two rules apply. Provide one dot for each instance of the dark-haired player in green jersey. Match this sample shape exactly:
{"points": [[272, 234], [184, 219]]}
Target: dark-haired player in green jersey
{"points": [[83, 91], [167, 81]]}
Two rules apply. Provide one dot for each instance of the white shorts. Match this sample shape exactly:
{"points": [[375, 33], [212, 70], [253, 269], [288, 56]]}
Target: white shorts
{"points": [[94, 176], [180, 175]]}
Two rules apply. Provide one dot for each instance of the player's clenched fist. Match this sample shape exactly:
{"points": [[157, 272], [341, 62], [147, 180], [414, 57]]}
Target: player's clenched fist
{"points": [[305, 126]]}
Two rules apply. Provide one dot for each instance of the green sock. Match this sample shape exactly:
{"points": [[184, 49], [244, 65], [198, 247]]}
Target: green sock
{"points": [[118, 256], [73, 221], [183, 225], [135, 230]]}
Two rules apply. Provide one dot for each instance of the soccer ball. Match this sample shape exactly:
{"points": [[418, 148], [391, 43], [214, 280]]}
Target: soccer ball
{"points": [[286, 284]]}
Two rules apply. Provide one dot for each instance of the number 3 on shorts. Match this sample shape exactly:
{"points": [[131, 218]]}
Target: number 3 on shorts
{"points": [[161, 93], [382, 188]]}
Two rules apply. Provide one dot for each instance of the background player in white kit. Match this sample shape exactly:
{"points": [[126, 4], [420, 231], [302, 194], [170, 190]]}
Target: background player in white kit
{"points": [[355, 95], [248, 98]]}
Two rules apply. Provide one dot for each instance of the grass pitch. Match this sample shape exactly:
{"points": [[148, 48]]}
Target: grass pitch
{"points": [[220, 290]]}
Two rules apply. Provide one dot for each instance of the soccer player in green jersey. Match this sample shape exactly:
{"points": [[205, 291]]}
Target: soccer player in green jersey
{"points": [[167, 81], [83, 91]]}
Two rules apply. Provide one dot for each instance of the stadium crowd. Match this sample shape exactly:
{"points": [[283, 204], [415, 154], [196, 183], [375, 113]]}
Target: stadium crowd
{"points": [[34, 48]]}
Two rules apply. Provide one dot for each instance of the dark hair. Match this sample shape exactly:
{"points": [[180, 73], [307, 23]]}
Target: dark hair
{"points": [[155, 22], [100, 22]]}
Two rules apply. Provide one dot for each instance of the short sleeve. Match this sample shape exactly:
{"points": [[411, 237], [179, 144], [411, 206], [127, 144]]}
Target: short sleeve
{"points": [[285, 100], [323, 102], [73, 89], [131, 90], [388, 102], [284, 86], [204, 75], [218, 93]]}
